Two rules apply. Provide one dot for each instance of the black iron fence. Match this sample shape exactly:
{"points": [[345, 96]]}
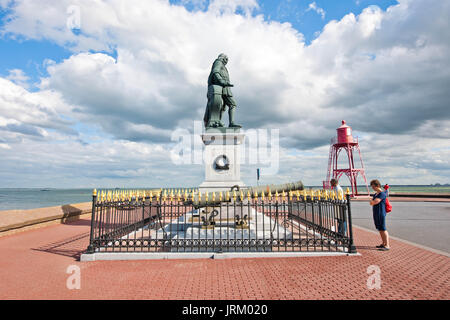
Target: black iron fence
{"points": [[144, 222]]}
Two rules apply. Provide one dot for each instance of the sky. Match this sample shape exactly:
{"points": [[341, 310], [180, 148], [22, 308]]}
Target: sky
{"points": [[93, 93]]}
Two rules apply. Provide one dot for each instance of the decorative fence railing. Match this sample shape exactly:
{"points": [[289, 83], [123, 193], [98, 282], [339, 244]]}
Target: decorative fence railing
{"points": [[276, 223]]}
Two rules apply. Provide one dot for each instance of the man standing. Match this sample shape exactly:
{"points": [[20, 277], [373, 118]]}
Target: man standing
{"points": [[219, 95], [334, 183], [340, 216], [378, 204]]}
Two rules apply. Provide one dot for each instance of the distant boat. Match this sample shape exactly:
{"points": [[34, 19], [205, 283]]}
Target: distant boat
{"points": [[45, 189]]}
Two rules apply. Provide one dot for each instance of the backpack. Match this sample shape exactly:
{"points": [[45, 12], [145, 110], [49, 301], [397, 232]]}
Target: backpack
{"points": [[387, 203], [388, 206]]}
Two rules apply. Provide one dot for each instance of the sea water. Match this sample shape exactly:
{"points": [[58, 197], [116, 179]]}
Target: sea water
{"points": [[30, 198]]}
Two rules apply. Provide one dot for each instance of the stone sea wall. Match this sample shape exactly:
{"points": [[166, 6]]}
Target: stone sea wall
{"points": [[13, 221]]}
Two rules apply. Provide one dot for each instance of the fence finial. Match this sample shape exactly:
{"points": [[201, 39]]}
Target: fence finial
{"points": [[94, 192], [348, 190]]}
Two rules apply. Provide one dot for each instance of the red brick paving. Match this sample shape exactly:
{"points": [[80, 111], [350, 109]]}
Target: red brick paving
{"points": [[33, 266]]}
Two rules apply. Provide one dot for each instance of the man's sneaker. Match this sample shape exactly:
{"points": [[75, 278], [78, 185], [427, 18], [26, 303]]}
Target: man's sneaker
{"points": [[380, 246], [384, 249]]}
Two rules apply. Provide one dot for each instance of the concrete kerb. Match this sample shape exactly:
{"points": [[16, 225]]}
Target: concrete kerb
{"points": [[108, 256]]}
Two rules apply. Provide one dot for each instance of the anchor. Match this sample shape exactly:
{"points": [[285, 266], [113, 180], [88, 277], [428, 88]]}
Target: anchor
{"points": [[209, 222], [241, 223]]}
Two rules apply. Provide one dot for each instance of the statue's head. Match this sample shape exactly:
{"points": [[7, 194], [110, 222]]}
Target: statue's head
{"points": [[223, 57]]}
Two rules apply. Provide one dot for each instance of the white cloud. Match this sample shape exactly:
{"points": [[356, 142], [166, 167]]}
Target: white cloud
{"points": [[231, 6], [197, 4], [313, 6], [19, 77], [385, 72], [31, 113]]}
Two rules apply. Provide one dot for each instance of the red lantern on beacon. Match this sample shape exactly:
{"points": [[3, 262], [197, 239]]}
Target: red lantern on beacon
{"points": [[345, 145]]}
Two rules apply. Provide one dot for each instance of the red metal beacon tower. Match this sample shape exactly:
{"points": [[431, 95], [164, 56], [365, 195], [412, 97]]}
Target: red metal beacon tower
{"points": [[345, 141]]}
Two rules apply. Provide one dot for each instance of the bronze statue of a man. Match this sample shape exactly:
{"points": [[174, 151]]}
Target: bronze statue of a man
{"points": [[219, 95]]}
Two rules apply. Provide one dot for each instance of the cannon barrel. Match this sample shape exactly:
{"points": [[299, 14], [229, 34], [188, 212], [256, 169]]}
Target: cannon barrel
{"points": [[277, 188], [207, 199]]}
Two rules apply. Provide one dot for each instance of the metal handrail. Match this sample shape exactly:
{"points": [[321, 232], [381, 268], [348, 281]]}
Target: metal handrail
{"points": [[287, 222]]}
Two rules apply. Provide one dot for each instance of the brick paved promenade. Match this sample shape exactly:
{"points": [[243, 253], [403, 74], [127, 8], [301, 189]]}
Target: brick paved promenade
{"points": [[33, 266]]}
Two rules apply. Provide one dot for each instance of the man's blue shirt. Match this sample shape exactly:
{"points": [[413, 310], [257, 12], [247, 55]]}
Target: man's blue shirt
{"points": [[380, 209]]}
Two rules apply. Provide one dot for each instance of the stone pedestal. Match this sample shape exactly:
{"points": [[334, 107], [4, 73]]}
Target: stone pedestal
{"points": [[222, 159]]}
